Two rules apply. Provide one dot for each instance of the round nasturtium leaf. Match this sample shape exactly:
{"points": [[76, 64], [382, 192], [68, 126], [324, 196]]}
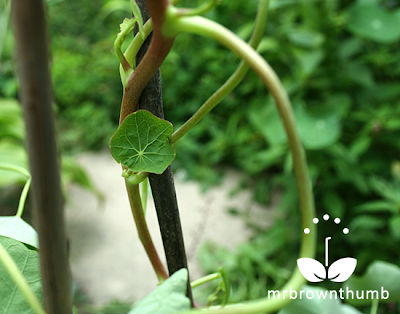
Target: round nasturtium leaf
{"points": [[141, 143], [375, 23]]}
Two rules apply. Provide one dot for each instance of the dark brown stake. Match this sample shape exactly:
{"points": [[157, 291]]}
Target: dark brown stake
{"points": [[36, 96], [162, 186]]}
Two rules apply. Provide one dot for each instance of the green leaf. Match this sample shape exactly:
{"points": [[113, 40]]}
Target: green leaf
{"points": [[267, 121], [317, 305], [12, 300], [377, 206], [11, 122], [141, 143], [379, 275], [126, 26], [309, 60], [375, 23], [388, 190], [394, 224], [306, 38], [12, 154], [72, 172], [360, 74], [168, 298], [16, 228], [366, 222], [334, 204], [317, 129]]}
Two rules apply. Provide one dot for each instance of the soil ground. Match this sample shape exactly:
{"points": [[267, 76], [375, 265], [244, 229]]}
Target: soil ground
{"points": [[107, 259]]}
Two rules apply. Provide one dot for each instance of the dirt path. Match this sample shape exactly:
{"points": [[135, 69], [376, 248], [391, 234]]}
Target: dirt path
{"points": [[107, 259]]}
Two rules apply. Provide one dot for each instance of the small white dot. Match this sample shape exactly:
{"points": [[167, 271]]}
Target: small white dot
{"points": [[337, 220], [306, 231], [315, 220], [345, 230], [326, 217]]}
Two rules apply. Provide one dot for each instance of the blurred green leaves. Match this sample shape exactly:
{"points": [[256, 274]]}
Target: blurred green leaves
{"points": [[318, 128], [379, 275], [375, 23]]}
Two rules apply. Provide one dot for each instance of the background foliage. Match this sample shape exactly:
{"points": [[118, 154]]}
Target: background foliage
{"points": [[340, 63]]}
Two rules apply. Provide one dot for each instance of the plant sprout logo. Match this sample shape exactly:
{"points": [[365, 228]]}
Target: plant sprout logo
{"points": [[339, 271]]}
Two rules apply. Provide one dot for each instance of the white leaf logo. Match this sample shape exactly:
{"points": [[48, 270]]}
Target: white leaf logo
{"points": [[339, 271], [342, 269], [311, 269]]}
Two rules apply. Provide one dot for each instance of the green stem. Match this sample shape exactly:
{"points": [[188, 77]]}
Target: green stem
{"points": [[136, 178], [205, 279], [16, 275], [374, 306], [23, 197], [27, 185], [201, 10], [143, 230], [138, 40], [145, 189], [202, 26], [118, 43], [154, 57], [233, 80]]}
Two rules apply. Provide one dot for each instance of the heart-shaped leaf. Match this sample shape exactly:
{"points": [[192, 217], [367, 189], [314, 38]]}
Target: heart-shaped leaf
{"points": [[168, 298], [16, 228], [342, 269], [27, 260], [311, 269], [141, 143]]}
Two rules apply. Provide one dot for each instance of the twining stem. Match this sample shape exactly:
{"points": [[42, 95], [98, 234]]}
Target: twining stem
{"points": [[25, 190], [162, 186], [202, 26], [155, 55], [143, 230], [231, 83], [16, 275]]}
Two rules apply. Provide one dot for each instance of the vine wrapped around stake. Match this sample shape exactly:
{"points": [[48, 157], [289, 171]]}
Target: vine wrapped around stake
{"points": [[168, 22]]}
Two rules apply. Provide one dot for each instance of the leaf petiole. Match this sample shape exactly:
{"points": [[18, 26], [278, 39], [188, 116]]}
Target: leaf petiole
{"points": [[134, 177], [25, 190], [145, 188], [139, 18], [205, 279], [126, 26], [231, 83]]}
